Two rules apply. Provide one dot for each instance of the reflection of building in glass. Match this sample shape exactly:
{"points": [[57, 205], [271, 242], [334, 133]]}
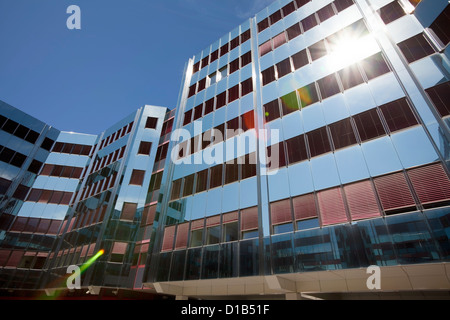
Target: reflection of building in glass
{"points": [[341, 162]]}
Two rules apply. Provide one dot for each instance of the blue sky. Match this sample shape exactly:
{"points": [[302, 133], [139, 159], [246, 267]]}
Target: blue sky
{"points": [[128, 53]]}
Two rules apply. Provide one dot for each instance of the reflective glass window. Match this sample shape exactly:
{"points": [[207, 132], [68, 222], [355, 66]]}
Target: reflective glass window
{"points": [[128, 211], [440, 26], [289, 103], [350, 76], [375, 66], [415, 48], [233, 93], [272, 110], [216, 176], [249, 166], [246, 59], [398, 115], [317, 50], [440, 95], [198, 110], [342, 4], [284, 67], [342, 133], [209, 106], [308, 95], [309, 22], [293, 31], [318, 142], [230, 231], [176, 189], [234, 65], [263, 24], [275, 17], [144, 148], [300, 59], [279, 40], [188, 185], [202, 181], [224, 49], [326, 12], [268, 75], [231, 172], [221, 100], [369, 125], [296, 149], [265, 48], [328, 86], [288, 9], [391, 12], [137, 177], [246, 86]]}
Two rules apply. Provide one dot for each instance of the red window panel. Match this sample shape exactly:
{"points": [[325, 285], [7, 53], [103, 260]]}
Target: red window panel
{"points": [[14, 259], [248, 120], [197, 224], [213, 221], [56, 197], [394, 192], [268, 75], [361, 200], [331, 205], [233, 93], [304, 206], [234, 43], [301, 3], [249, 219], [440, 95], [196, 67], [430, 183], [19, 224], [309, 22], [326, 12], [65, 200], [265, 48], [45, 196], [182, 236], [288, 9], [119, 248], [192, 90], [279, 40], [245, 36], [296, 149], [4, 255], [281, 211], [293, 31], [230, 217], [137, 177], [47, 170], [169, 234], [214, 55], [54, 227], [246, 59], [342, 4], [201, 85], [246, 86], [205, 62], [221, 100], [398, 115], [275, 17], [224, 49], [187, 117]]}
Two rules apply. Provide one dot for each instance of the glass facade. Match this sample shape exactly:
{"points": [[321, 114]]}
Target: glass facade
{"points": [[312, 137]]}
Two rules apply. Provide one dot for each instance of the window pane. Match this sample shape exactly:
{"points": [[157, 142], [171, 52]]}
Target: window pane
{"points": [[234, 65], [223, 49], [342, 133], [288, 9], [248, 121], [279, 40], [268, 75], [272, 110], [328, 86], [265, 48], [264, 24], [202, 181], [233, 93], [249, 166], [276, 156], [275, 17], [304, 206], [415, 48], [317, 50], [231, 172], [284, 67], [187, 117], [369, 125], [201, 85], [245, 36], [289, 103], [230, 232], [375, 66], [398, 115], [440, 95], [326, 13], [281, 211], [209, 106], [198, 110], [216, 176], [247, 86], [221, 100], [151, 123], [342, 4], [137, 177], [128, 211], [440, 26], [309, 22], [176, 189], [391, 12], [145, 147], [300, 59], [318, 142], [293, 31], [296, 149], [232, 128], [188, 187], [308, 95], [350, 76], [246, 59]]}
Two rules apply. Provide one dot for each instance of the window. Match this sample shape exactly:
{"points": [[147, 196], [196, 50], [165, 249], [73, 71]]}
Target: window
{"points": [[196, 67], [281, 212], [440, 26], [188, 187], [246, 59], [201, 85], [308, 95], [230, 231], [223, 73], [246, 86], [137, 177], [216, 176], [398, 115], [265, 48], [249, 219], [391, 12], [232, 128], [440, 95], [196, 238], [205, 62], [331, 205], [145, 148], [272, 110], [318, 142], [245, 36], [342, 134], [47, 144], [301, 3], [248, 166], [198, 110], [369, 125], [176, 189], [231, 172], [202, 181], [35, 166], [275, 17], [276, 157], [415, 48], [214, 56], [296, 149], [328, 86], [308, 224], [394, 192], [288, 9], [187, 117], [325, 13], [284, 67], [234, 65], [268, 75], [224, 49], [309, 22], [128, 211], [192, 90], [264, 24], [221, 100], [342, 4], [10, 126], [375, 66], [289, 103], [350, 76], [213, 235], [209, 106], [279, 40], [233, 93], [317, 50], [293, 31], [300, 59], [248, 121], [304, 206]]}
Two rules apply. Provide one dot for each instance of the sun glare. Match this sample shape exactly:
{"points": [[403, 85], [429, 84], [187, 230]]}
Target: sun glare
{"points": [[349, 50]]}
